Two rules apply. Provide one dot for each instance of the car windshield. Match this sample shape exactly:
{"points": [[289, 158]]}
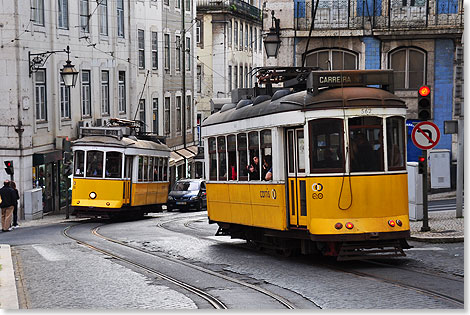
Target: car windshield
{"points": [[186, 186]]}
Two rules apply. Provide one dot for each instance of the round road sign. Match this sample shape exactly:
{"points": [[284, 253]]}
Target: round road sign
{"points": [[425, 135]]}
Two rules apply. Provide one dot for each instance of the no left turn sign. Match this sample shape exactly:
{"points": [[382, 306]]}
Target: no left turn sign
{"points": [[425, 135]]}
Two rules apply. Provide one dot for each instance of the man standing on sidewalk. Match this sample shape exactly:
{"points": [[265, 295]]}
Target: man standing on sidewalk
{"points": [[8, 201]]}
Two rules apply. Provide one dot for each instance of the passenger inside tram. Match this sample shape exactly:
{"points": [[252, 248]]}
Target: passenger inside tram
{"points": [[267, 171], [253, 168], [362, 155]]}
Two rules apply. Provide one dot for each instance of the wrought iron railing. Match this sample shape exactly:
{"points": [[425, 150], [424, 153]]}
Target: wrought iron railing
{"points": [[235, 6], [361, 14]]}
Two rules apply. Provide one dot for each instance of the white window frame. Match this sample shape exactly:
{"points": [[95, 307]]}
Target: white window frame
{"points": [[105, 92], [103, 17], [63, 14], [40, 95]]}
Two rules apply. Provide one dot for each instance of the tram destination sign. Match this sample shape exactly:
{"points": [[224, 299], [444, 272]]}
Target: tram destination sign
{"points": [[348, 78]]}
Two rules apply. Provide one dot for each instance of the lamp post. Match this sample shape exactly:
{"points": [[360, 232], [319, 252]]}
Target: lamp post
{"points": [[272, 40], [68, 72]]}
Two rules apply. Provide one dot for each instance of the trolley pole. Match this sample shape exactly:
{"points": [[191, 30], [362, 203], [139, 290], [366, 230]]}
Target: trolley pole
{"points": [[425, 227]]}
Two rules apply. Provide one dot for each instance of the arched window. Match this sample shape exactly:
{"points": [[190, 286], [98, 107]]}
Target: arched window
{"points": [[332, 59], [409, 66]]}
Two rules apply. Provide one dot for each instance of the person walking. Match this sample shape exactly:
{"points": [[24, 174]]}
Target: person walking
{"points": [[15, 206], [8, 201]]}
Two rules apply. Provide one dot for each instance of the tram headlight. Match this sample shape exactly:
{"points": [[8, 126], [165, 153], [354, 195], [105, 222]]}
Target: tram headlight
{"points": [[349, 225], [391, 223], [338, 226], [92, 195], [399, 223]]}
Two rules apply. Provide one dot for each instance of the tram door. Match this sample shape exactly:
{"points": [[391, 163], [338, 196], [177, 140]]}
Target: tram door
{"points": [[128, 163], [296, 178]]}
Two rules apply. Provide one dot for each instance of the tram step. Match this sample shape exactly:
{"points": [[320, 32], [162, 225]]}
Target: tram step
{"points": [[358, 251]]}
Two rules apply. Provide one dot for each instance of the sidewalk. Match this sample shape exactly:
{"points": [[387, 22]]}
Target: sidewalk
{"points": [[445, 227]]}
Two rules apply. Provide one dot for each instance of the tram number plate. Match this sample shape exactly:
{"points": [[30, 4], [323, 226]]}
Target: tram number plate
{"points": [[366, 111], [181, 203]]}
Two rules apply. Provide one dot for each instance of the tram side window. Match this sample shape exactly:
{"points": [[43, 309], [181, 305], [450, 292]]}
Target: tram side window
{"points": [[113, 165], [212, 159], [242, 156], [79, 162], [165, 169], [128, 167], [151, 168], [366, 144], [254, 164], [94, 167], [396, 143], [146, 168], [157, 170], [326, 145], [266, 155], [232, 157], [141, 166], [222, 158]]}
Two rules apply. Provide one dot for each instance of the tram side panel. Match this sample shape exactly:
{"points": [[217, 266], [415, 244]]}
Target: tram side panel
{"points": [[260, 205], [149, 193], [368, 203]]}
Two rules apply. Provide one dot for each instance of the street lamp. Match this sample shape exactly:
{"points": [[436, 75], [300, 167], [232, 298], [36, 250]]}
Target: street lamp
{"points": [[272, 40], [68, 72]]}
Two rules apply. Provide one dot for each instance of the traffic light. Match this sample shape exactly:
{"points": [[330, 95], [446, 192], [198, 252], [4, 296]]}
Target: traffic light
{"points": [[424, 103], [421, 164], [9, 167]]}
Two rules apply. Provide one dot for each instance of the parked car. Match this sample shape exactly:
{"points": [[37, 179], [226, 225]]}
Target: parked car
{"points": [[187, 194]]}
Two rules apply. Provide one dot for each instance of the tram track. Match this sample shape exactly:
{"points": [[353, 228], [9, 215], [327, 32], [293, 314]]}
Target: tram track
{"points": [[212, 300], [215, 302], [427, 282]]}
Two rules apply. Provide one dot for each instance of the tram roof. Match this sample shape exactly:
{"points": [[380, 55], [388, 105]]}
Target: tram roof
{"points": [[125, 142], [349, 97]]}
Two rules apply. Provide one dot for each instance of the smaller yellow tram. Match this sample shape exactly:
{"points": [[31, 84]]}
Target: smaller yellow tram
{"points": [[118, 174], [318, 165]]}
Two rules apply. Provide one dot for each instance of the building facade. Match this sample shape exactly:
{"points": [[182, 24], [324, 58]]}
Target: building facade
{"points": [[117, 48], [230, 48], [420, 40]]}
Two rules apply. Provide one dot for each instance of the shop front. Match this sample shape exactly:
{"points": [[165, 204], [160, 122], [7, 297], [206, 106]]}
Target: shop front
{"points": [[47, 175]]}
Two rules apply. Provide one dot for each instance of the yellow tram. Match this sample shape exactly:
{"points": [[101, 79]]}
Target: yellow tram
{"points": [[118, 174], [331, 172]]}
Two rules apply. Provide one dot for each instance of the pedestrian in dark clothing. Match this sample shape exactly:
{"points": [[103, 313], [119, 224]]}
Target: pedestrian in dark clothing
{"points": [[8, 202], [15, 209]]}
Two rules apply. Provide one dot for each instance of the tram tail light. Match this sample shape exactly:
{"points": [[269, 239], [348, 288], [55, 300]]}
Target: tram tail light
{"points": [[399, 223], [338, 226], [391, 223], [349, 225]]}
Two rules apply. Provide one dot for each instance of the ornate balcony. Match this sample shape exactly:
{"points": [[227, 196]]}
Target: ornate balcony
{"points": [[234, 6], [385, 16]]}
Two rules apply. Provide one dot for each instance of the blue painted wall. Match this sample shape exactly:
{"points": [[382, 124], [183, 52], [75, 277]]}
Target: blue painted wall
{"points": [[447, 6], [366, 7], [299, 8], [443, 87], [372, 52]]}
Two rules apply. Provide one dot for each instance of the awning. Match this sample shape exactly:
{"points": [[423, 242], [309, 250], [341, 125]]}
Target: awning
{"points": [[45, 157], [178, 156]]}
